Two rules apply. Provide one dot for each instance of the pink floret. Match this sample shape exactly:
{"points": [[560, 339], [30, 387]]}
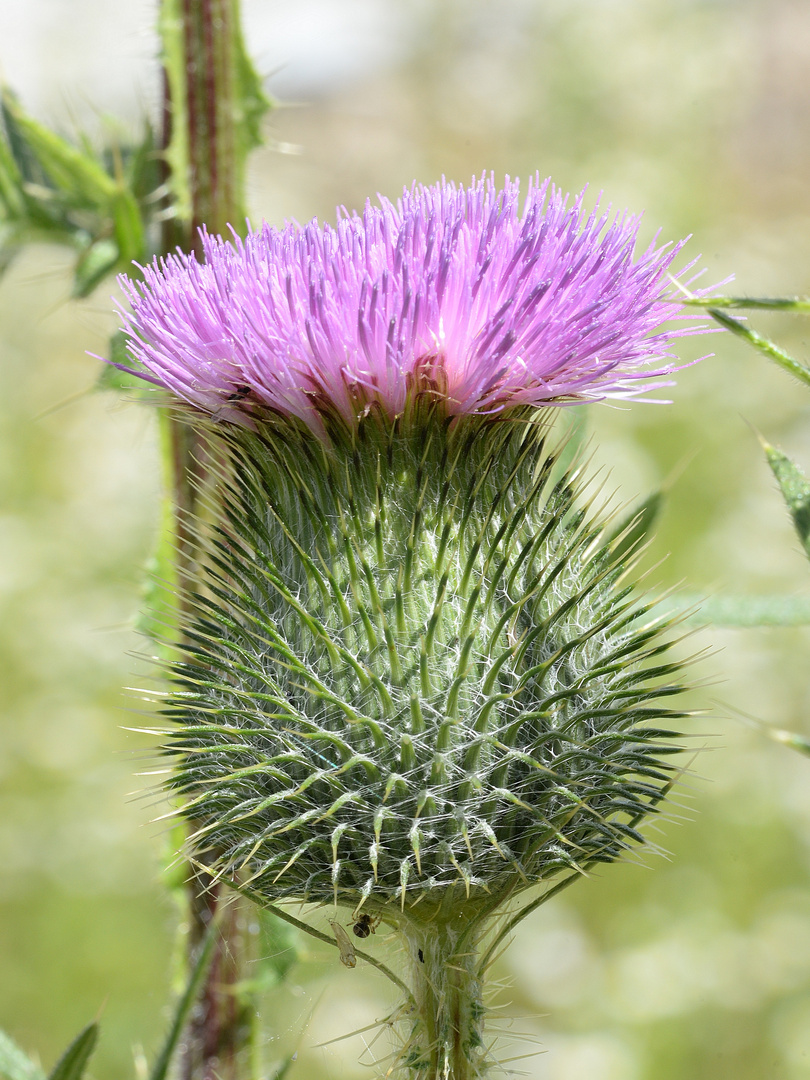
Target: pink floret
{"points": [[455, 292]]}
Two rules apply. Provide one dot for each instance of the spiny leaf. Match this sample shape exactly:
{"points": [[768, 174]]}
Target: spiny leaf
{"points": [[128, 226], [15, 1064], [783, 359], [795, 489], [79, 177], [72, 1063], [12, 200], [251, 102], [750, 303], [55, 191]]}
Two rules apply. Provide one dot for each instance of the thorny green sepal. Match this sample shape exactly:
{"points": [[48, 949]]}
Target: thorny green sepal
{"points": [[523, 602]]}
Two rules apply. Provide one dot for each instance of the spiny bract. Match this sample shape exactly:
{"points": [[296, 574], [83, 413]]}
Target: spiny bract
{"points": [[411, 668]]}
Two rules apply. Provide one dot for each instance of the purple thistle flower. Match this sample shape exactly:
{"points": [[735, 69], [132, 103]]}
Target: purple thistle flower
{"points": [[454, 292]]}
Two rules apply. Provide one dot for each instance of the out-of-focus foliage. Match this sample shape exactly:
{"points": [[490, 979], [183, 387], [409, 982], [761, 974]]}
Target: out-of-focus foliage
{"points": [[15, 1064], [695, 967], [73, 1062], [60, 192], [795, 489]]}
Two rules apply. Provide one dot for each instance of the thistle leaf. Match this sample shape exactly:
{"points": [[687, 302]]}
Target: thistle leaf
{"points": [[12, 200], [54, 191], [15, 1064], [795, 489], [80, 179], [128, 226], [251, 102], [72, 1063], [751, 303], [769, 348]]}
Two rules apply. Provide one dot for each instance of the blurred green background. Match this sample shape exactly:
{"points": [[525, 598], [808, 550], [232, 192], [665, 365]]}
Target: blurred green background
{"points": [[695, 966]]}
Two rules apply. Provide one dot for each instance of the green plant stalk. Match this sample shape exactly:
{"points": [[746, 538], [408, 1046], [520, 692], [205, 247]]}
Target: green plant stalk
{"points": [[212, 107], [446, 1040], [449, 1007]]}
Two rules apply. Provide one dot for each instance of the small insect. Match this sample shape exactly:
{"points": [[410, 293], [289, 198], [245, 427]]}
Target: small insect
{"points": [[365, 925], [240, 392], [347, 954]]}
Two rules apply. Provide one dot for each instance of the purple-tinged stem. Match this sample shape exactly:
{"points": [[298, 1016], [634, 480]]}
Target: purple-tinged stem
{"points": [[210, 172]]}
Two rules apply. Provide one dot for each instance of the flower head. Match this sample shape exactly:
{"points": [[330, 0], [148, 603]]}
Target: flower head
{"points": [[411, 680], [453, 292]]}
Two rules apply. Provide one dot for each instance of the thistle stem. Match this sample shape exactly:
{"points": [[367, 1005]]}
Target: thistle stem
{"points": [[217, 1027], [447, 1038], [202, 48], [208, 31]]}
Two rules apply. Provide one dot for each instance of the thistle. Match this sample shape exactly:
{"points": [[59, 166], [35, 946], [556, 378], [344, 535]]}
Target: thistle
{"points": [[414, 685]]}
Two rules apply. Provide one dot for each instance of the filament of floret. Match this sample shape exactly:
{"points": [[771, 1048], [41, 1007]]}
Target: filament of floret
{"points": [[454, 292]]}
